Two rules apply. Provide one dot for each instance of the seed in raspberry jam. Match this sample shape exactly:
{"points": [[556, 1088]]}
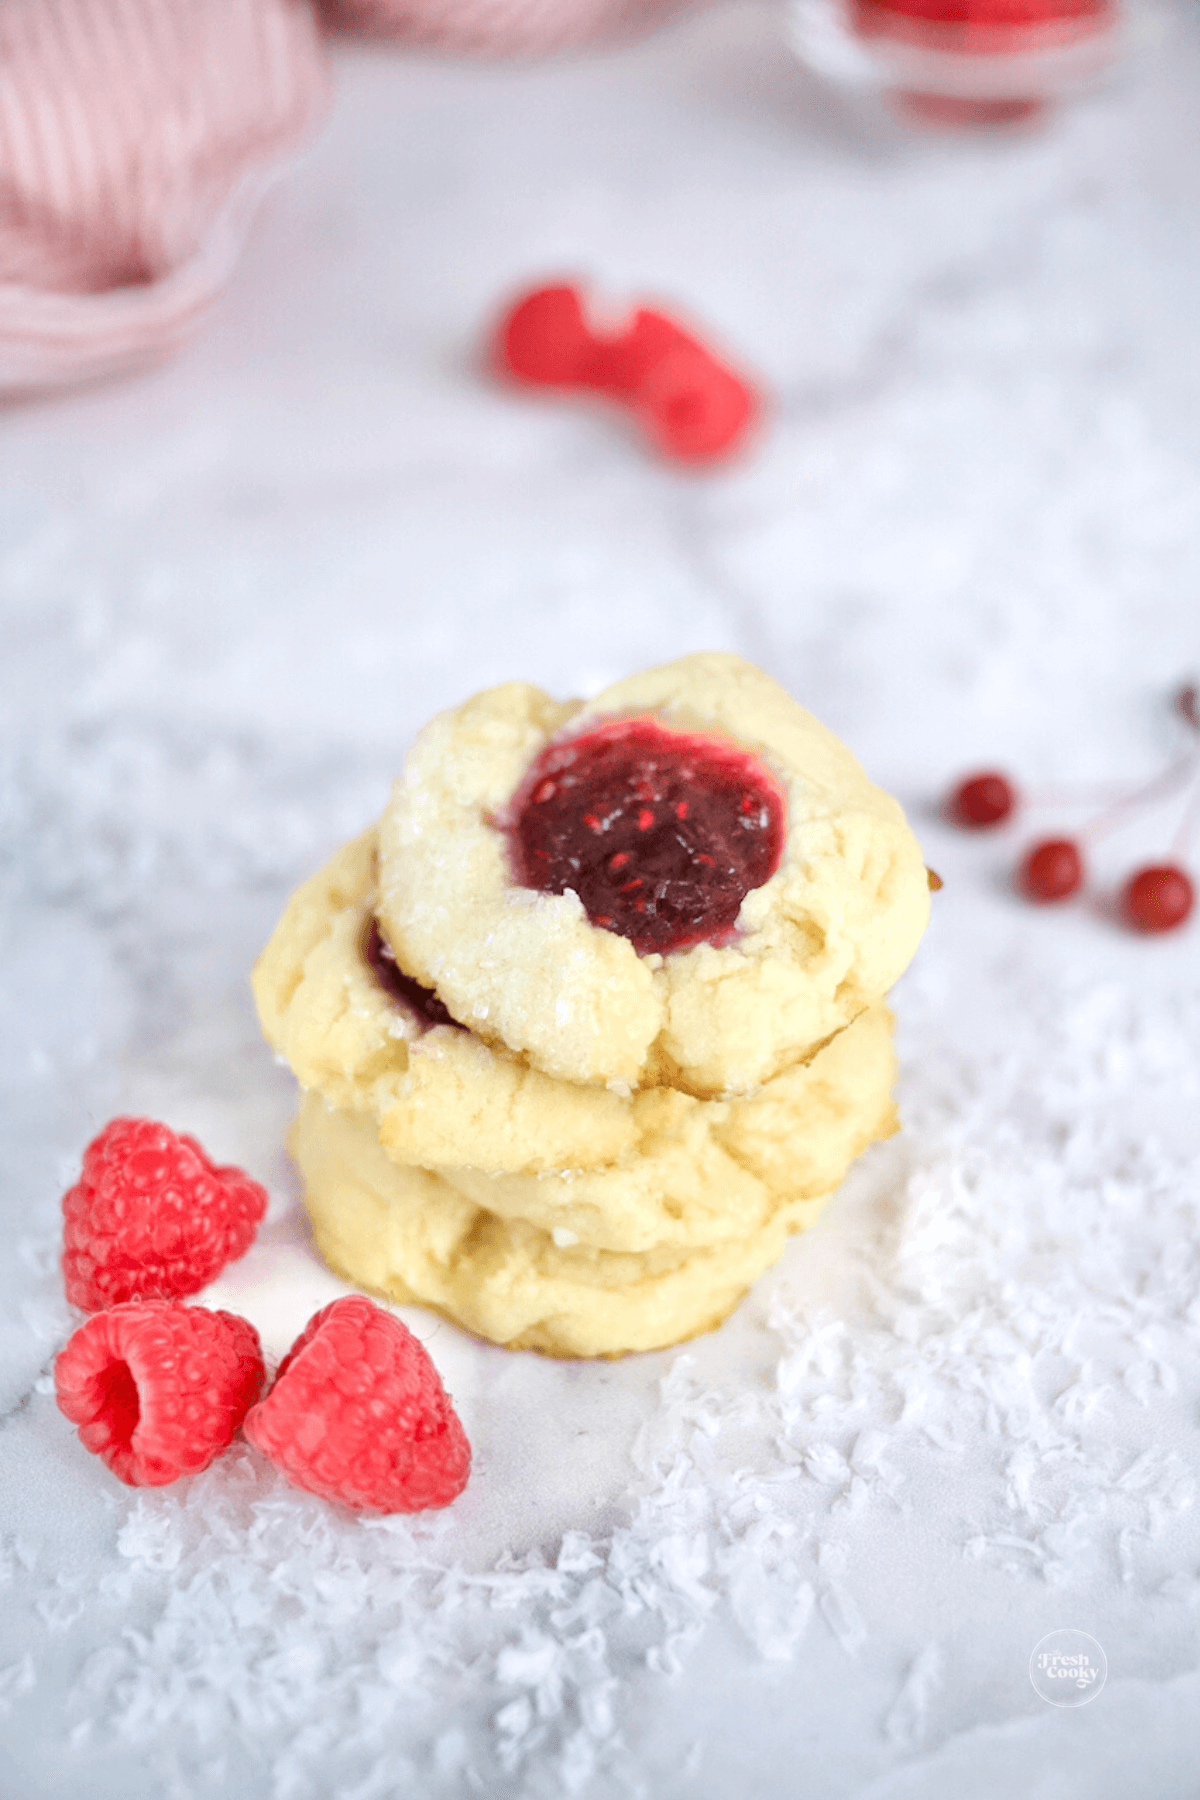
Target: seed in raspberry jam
{"points": [[662, 834], [426, 1002]]}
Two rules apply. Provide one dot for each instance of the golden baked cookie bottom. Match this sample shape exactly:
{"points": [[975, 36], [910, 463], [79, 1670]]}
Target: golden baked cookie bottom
{"points": [[642, 1253], [703, 1174], [409, 1235]]}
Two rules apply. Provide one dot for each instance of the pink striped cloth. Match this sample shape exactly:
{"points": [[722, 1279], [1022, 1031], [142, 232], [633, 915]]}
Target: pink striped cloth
{"points": [[136, 138], [500, 27]]}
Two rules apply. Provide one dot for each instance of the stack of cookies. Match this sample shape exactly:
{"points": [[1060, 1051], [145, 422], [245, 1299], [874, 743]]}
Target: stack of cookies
{"points": [[595, 1017]]}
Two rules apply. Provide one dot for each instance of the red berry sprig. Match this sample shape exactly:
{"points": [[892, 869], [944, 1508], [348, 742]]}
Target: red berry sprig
{"points": [[693, 406], [1157, 898]]}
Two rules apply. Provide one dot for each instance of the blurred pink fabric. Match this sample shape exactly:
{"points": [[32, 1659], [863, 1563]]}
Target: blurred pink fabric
{"points": [[136, 138], [499, 27]]}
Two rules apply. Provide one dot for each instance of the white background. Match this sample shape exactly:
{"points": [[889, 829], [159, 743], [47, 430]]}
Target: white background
{"points": [[812, 1555]]}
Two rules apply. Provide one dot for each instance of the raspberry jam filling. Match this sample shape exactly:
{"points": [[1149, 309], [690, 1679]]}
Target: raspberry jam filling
{"points": [[661, 834], [423, 1001]]}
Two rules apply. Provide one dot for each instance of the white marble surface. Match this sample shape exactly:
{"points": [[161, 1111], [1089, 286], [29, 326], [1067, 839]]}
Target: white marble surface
{"points": [[812, 1556]]}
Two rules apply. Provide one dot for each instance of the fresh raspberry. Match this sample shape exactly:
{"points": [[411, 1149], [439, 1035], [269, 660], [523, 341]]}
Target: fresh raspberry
{"points": [[689, 402], [662, 834], [152, 1218], [620, 365], [693, 406], [358, 1415], [157, 1389], [543, 338]]}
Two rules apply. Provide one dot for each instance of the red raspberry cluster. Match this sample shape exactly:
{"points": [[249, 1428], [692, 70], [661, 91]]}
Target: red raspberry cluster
{"points": [[692, 405], [1158, 897], [357, 1412]]}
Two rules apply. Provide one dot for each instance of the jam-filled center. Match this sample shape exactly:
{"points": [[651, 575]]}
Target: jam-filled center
{"points": [[425, 1002], [661, 833]]}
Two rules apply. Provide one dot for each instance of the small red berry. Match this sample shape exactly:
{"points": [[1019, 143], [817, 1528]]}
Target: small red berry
{"points": [[1052, 870], [152, 1218], [1158, 898], [156, 1389], [982, 800], [358, 1414]]}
